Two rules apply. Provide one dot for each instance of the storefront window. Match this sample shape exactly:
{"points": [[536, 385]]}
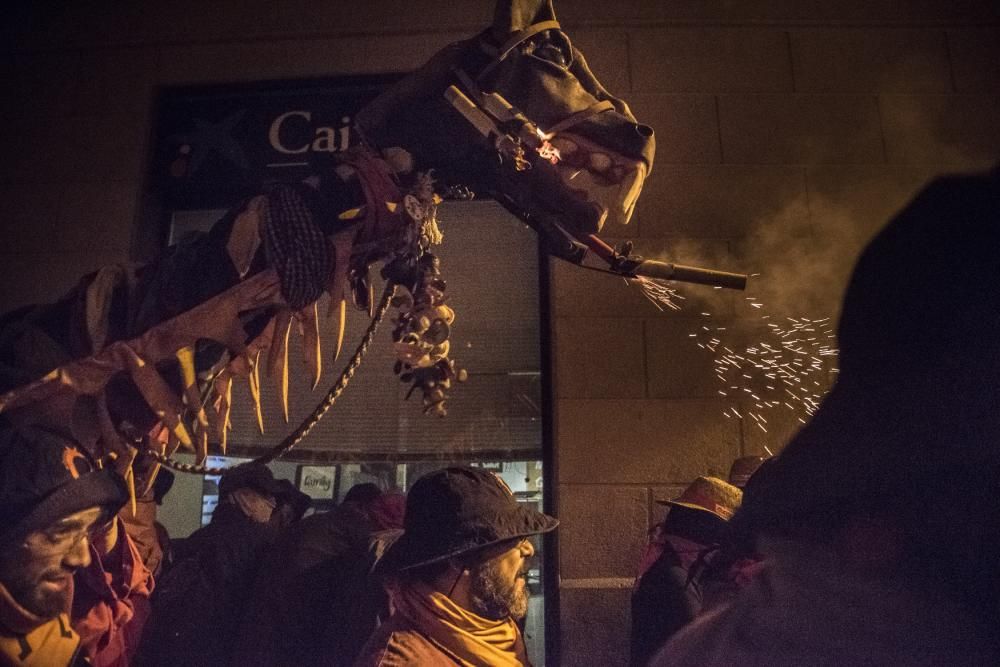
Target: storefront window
{"points": [[213, 146], [373, 434]]}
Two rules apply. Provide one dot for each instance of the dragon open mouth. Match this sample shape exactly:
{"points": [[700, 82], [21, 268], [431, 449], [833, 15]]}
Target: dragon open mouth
{"points": [[597, 176]]}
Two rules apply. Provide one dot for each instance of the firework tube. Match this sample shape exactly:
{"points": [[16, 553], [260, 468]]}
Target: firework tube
{"points": [[650, 268], [691, 274]]}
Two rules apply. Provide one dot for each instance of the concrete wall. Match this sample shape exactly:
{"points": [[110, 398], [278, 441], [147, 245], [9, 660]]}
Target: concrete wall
{"points": [[787, 131]]}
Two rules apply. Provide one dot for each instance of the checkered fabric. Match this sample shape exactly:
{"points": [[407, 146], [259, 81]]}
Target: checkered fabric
{"points": [[295, 246]]}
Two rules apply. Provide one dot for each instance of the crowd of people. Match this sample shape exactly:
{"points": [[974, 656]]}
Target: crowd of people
{"points": [[869, 540], [437, 577]]}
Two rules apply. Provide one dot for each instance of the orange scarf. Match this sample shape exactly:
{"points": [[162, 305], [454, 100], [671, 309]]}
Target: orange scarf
{"points": [[473, 641], [27, 640]]}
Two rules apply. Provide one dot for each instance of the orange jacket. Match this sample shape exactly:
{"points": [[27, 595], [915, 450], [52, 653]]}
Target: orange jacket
{"points": [[111, 603]]}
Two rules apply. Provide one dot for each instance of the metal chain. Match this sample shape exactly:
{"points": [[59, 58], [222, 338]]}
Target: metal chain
{"points": [[303, 429]]}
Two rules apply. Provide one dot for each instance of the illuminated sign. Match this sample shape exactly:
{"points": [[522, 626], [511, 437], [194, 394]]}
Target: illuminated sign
{"points": [[216, 144]]}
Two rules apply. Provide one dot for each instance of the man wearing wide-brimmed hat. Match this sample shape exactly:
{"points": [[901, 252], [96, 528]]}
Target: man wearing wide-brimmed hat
{"points": [[668, 592], [456, 575]]}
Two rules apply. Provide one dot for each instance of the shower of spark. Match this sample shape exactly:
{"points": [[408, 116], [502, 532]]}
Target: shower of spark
{"points": [[788, 369], [661, 293]]}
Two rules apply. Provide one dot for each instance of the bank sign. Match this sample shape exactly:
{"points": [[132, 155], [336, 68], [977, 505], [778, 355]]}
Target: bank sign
{"points": [[214, 145]]}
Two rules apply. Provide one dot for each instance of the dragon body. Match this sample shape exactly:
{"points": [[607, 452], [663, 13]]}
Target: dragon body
{"points": [[138, 361]]}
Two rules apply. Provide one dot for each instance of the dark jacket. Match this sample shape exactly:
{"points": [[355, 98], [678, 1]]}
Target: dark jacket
{"points": [[197, 603], [313, 600], [667, 597]]}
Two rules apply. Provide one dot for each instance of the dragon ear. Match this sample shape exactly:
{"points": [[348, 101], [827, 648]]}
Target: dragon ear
{"points": [[512, 16]]}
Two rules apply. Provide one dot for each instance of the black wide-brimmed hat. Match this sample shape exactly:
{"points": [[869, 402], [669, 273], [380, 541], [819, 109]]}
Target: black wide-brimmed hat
{"points": [[457, 511]]}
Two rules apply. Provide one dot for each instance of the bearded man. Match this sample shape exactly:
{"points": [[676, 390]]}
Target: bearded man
{"points": [[54, 504], [456, 575]]}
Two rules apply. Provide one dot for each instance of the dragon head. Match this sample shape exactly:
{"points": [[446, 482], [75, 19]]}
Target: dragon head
{"points": [[516, 113]]}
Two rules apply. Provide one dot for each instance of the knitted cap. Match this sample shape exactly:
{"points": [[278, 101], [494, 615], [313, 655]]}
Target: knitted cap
{"points": [[45, 477]]}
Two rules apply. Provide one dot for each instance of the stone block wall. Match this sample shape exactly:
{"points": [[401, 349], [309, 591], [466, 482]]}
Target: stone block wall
{"points": [[787, 134], [787, 131]]}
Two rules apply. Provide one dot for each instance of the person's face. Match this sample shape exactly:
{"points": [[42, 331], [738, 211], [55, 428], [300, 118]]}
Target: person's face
{"points": [[283, 515], [498, 587], [38, 571]]}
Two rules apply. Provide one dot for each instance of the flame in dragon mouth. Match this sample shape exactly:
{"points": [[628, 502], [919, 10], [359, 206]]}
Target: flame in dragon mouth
{"points": [[597, 175]]}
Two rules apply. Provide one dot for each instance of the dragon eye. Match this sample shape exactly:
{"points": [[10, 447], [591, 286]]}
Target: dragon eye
{"points": [[551, 46], [552, 53]]}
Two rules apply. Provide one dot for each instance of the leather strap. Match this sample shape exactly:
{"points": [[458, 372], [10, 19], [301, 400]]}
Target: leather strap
{"points": [[580, 116], [499, 55], [471, 85]]}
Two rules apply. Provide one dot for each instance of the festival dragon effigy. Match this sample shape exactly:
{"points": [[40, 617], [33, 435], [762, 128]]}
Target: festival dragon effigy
{"points": [[141, 360]]}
